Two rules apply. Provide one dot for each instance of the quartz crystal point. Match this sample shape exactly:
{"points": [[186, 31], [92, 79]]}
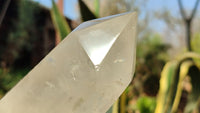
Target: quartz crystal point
{"points": [[85, 73]]}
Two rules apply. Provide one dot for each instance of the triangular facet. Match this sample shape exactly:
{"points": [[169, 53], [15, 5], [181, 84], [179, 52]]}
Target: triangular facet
{"points": [[99, 38]]}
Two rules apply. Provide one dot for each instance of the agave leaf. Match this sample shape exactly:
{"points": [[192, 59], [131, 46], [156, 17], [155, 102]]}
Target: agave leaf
{"points": [[194, 73], [146, 104], [114, 108], [181, 72], [187, 55], [184, 68], [175, 81], [86, 13], [120, 104], [61, 25], [170, 93], [110, 110], [165, 83], [123, 102], [97, 7]]}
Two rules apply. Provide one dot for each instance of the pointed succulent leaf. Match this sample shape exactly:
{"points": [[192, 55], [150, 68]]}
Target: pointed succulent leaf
{"points": [[184, 68], [97, 7], [146, 104], [165, 85], [86, 13], [194, 73], [61, 25], [169, 95]]}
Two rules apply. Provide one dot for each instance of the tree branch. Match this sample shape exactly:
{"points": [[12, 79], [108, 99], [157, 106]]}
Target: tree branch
{"points": [[195, 9], [4, 9], [182, 10]]}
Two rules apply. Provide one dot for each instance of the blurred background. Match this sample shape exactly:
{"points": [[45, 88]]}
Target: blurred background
{"points": [[30, 29]]}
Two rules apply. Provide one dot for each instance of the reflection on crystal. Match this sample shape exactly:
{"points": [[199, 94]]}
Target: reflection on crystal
{"points": [[97, 67], [85, 73], [98, 46]]}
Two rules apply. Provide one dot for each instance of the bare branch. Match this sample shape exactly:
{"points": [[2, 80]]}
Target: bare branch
{"points": [[4, 9], [182, 10], [195, 9]]}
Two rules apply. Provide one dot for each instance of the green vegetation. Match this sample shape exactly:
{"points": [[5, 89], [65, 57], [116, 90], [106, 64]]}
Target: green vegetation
{"points": [[59, 22], [10, 79], [146, 104], [160, 85], [174, 83]]}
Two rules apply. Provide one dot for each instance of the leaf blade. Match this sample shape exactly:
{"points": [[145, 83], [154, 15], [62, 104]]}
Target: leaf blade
{"points": [[165, 83], [86, 13], [61, 25]]}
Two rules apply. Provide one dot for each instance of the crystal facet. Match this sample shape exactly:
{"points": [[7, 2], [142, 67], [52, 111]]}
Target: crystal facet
{"points": [[85, 73]]}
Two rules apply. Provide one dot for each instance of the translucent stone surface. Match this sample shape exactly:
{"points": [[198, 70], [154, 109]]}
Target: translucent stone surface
{"points": [[85, 73]]}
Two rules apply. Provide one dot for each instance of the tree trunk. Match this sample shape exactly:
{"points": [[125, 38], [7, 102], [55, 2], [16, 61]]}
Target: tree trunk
{"points": [[188, 34], [188, 21]]}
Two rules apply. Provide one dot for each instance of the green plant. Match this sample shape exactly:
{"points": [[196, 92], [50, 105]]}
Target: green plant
{"points": [[21, 36], [146, 104], [86, 13], [172, 76], [61, 25], [97, 7], [171, 85], [10, 79]]}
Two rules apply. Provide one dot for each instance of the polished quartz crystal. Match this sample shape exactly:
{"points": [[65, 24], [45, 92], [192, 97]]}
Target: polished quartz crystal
{"points": [[85, 73]]}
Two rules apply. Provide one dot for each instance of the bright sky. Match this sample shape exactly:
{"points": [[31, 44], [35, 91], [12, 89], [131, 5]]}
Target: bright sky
{"points": [[71, 11], [69, 7]]}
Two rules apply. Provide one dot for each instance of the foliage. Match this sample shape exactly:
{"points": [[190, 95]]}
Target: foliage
{"points": [[146, 104], [86, 13], [150, 50], [196, 42], [195, 46], [171, 85], [19, 38], [22, 36], [151, 66], [97, 7], [114, 108], [10, 79], [59, 21]]}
